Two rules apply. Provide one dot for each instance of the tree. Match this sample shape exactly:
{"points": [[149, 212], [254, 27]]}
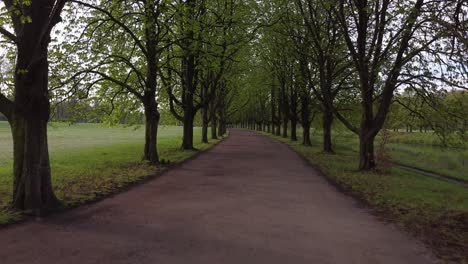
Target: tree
{"points": [[123, 43], [386, 40], [326, 54], [29, 113], [208, 36]]}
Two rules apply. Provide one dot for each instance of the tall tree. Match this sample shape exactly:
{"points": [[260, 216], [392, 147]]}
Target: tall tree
{"points": [[29, 113], [123, 43], [326, 53], [387, 40]]}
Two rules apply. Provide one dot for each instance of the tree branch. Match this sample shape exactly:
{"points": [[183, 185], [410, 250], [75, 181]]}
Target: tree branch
{"points": [[118, 22], [6, 106], [8, 35], [346, 122]]}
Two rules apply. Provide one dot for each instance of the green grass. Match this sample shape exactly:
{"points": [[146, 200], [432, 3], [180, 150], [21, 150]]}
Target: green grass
{"points": [[90, 161], [413, 149], [445, 161], [427, 138], [435, 210]]}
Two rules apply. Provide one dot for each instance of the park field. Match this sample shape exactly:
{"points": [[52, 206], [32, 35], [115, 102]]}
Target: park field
{"points": [[432, 209], [419, 150], [90, 161]]}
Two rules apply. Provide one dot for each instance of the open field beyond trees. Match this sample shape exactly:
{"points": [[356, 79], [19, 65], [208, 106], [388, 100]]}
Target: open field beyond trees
{"points": [[419, 150]]}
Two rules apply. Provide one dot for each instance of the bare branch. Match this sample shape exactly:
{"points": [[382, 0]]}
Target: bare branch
{"points": [[6, 106], [8, 35], [118, 22]]}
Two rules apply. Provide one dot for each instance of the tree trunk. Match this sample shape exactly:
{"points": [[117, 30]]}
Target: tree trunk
{"points": [[189, 81], [285, 126], [273, 111], [205, 133], [366, 152], [214, 124], [205, 125], [187, 140], [367, 131], [306, 135], [278, 129], [294, 129], [293, 111], [32, 175], [221, 118], [278, 121], [223, 126], [285, 110], [152, 117], [220, 129], [327, 127], [305, 119]]}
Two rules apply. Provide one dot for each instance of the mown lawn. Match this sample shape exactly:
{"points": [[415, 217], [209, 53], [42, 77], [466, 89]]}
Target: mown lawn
{"points": [[90, 161], [419, 150], [434, 210]]}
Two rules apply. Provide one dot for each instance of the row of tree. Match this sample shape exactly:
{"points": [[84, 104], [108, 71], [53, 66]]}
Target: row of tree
{"points": [[348, 59], [117, 59], [271, 64]]}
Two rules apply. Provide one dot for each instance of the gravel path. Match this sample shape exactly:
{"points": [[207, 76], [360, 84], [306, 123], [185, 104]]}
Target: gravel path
{"points": [[248, 200]]}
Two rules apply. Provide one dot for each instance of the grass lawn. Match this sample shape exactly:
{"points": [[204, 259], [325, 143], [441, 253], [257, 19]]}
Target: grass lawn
{"points": [[90, 161], [434, 210], [414, 150]]}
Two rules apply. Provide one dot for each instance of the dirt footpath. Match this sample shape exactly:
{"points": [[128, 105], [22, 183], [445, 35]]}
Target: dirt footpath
{"points": [[248, 200]]}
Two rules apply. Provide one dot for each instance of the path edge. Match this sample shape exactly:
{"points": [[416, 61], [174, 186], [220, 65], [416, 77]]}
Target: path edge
{"points": [[379, 214], [341, 188], [161, 172]]}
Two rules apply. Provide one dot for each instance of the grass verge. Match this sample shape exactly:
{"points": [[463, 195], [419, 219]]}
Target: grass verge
{"points": [[433, 210]]}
